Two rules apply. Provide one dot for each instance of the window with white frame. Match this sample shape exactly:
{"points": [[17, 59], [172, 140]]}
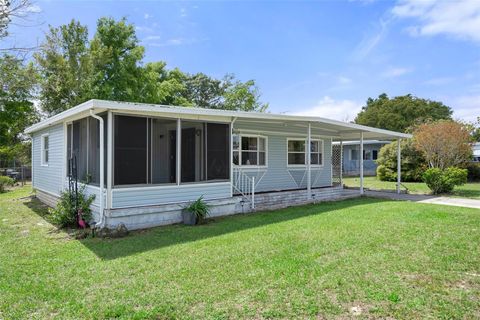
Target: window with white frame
{"points": [[297, 152], [249, 150], [45, 147]]}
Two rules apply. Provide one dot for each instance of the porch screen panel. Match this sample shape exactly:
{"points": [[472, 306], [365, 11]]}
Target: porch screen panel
{"points": [[80, 147], [130, 150], [164, 150], [218, 151], [94, 151]]}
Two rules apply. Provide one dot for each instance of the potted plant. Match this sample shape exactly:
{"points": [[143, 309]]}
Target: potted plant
{"points": [[195, 212]]}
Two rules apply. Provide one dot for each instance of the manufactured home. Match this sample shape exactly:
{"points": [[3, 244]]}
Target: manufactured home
{"points": [[145, 162], [351, 157]]}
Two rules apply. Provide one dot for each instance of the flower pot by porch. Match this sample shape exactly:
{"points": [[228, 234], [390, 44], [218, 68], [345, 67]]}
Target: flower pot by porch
{"points": [[189, 218]]}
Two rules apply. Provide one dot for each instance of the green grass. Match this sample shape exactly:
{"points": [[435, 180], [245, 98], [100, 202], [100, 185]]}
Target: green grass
{"points": [[469, 190], [389, 259]]}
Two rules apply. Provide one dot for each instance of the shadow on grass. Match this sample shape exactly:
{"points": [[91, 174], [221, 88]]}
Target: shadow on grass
{"points": [[161, 237]]}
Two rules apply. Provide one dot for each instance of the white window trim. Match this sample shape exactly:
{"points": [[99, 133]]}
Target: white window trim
{"points": [[322, 151], [251, 166], [42, 149]]}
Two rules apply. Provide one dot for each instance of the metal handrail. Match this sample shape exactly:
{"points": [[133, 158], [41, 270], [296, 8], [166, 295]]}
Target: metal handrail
{"points": [[245, 185]]}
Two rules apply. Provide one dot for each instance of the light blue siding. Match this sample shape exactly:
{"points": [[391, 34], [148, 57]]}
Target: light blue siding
{"points": [[49, 178], [278, 175], [352, 167], [147, 196]]}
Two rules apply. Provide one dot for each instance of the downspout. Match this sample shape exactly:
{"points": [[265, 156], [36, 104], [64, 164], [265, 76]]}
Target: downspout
{"points": [[102, 164]]}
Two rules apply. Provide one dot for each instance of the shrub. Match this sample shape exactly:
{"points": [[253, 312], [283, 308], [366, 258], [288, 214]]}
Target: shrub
{"points": [[64, 214], [413, 163], [5, 182], [443, 181], [473, 171], [199, 208]]}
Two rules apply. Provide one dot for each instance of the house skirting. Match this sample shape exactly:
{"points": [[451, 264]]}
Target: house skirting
{"points": [[142, 217]]}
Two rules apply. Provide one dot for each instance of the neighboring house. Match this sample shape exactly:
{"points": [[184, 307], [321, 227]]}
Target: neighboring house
{"points": [[351, 157], [476, 152], [145, 162]]}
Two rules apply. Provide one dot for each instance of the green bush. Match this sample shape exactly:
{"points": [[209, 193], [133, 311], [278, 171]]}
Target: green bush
{"points": [[443, 181], [199, 208], [413, 163], [64, 214], [473, 171], [5, 182]]}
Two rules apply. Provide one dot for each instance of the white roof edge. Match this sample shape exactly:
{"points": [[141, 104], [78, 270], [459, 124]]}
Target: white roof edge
{"points": [[105, 104]]}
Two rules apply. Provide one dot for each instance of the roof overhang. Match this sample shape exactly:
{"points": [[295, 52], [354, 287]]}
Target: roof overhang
{"points": [[338, 130]]}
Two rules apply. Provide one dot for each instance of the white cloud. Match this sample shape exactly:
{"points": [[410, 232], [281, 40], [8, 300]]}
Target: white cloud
{"points": [[33, 9], [343, 110], [466, 107], [369, 43], [394, 72], [460, 18], [440, 81], [178, 42], [149, 38], [183, 12], [344, 80], [147, 16]]}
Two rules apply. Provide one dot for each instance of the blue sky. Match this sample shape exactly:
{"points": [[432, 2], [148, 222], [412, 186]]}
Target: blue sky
{"points": [[321, 58]]}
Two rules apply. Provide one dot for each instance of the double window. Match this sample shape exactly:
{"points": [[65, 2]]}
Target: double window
{"points": [[367, 154], [249, 150], [45, 145], [297, 153]]}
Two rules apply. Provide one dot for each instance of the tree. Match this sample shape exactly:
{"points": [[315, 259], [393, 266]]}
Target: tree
{"points": [[228, 94], [17, 111], [116, 56], [162, 86], [65, 68], [401, 113], [110, 67], [443, 143], [413, 164], [11, 10]]}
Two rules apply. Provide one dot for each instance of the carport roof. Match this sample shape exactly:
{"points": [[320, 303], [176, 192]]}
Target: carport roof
{"points": [[338, 130]]}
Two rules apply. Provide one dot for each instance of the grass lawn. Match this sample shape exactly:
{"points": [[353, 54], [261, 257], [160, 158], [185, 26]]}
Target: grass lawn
{"points": [[374, 257], [469, 190]]}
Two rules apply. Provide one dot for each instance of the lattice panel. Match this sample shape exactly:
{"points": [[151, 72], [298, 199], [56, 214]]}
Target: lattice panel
{"points": [[336, 164]]}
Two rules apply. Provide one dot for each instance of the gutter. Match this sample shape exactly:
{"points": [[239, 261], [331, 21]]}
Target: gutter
{"points": [[101, 223]]}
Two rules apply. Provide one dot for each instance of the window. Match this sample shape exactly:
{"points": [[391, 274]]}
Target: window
{"points": [[45, 146], [367, 155], [374, 154], [249, 150], [353, 154], [316, 152], [297, 153]]}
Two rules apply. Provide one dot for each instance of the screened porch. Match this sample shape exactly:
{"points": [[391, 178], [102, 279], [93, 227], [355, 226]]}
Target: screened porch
{"points": [[151, 151]]}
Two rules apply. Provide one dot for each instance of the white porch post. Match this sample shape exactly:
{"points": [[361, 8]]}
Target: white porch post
{"points": [[341, 163], [361, 162], [179, 150], [231, 156], [309, 171], [109, 158], [399, 165]]}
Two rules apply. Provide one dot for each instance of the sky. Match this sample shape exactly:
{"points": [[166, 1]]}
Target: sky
{"points": [[319, 58]]}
